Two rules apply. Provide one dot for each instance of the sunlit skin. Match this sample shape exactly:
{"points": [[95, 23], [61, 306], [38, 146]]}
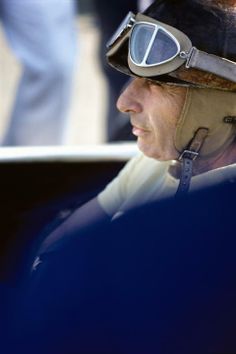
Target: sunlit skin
{"points": [[154, 112]]}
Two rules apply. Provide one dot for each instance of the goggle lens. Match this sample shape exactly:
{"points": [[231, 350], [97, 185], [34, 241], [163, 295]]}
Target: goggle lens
{"points": [[163, 49], [152, 45], [139, 43]]}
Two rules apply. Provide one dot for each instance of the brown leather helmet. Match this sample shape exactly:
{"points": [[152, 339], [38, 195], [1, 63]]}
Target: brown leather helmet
{"points": [[211, 27]]}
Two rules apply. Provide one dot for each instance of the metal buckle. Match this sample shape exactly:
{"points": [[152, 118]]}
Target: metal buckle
{"points": [[188, 154], [230, 119], [189, 57]]}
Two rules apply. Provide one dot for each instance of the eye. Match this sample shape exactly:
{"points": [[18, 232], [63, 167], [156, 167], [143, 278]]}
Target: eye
{"points": [[153, 82]]}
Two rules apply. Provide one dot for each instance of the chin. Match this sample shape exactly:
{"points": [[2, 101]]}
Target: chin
{"points": [[149, 152], [156, 154]]}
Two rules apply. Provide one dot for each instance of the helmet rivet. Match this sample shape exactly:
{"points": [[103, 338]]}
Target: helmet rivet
{"points": [[230, 119], [183, 55]]}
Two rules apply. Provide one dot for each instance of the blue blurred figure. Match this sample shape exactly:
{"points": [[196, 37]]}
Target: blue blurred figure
{"points": [[110, 13], [41, 34]]}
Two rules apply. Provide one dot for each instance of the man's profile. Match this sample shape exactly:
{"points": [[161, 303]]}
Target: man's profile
{"points": [[161, 278], [181, 104]]}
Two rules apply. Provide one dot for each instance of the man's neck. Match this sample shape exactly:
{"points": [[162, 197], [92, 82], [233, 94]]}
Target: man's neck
{"points": [[225, 158]]}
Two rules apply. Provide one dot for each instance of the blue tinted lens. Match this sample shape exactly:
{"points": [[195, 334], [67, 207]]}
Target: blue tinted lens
{"points": [[139, 42], [163, 48]]}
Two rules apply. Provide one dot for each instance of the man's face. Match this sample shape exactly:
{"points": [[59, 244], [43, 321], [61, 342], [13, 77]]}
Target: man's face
{"points": [[154, 112]]}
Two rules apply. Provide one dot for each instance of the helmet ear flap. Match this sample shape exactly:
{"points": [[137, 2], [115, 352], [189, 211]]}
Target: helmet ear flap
{"points": [[207, 108]]}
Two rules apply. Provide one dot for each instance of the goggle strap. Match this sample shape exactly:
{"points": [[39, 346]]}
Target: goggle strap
{"points": [[186, 175], [187, 158], [219, 66]]}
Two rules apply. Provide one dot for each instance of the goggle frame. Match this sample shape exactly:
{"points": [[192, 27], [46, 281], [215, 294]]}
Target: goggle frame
{"points": [[188, 55]]}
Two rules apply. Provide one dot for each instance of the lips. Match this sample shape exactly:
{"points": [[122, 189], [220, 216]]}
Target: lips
{"points": [[139, 130]]}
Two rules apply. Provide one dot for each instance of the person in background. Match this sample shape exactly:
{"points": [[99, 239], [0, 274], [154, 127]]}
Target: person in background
{"points": [[109, 13], [42, 36]]}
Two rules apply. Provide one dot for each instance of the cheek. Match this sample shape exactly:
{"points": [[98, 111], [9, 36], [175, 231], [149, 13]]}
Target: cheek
{"points": [[162, 122], [165, 118], [161, 139], [160, 127]]}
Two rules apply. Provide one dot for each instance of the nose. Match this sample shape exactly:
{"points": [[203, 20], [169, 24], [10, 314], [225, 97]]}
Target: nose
{"points": [[129, 100]]}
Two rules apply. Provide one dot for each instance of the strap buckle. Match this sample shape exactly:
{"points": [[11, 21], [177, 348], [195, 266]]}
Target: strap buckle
{"points": [[188, 154]]}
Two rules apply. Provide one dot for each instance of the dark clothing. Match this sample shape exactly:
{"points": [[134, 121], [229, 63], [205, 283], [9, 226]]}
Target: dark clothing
{"points": [[110, 14], [160, 279]]}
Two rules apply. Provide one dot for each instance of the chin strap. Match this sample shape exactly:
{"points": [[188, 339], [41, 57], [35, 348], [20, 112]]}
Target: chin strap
{"points": [[187, 157]]}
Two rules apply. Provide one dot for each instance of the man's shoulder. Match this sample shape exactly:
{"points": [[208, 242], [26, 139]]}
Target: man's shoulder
{"points": [[217, 176]]}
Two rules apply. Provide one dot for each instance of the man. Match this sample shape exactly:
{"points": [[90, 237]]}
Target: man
{"points": [[179, 113], [160, 279]]}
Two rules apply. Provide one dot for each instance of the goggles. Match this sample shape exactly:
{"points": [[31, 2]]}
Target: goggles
{"points": [[155, 48]]}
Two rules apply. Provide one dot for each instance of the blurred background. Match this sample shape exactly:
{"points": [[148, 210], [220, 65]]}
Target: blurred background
{"points": [[86, 115], [91, 100]]}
